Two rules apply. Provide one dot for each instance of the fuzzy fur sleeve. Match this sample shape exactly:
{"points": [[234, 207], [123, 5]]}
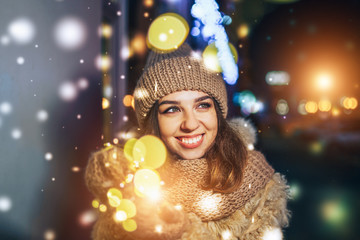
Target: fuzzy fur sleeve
{"points": [[266, 213]]}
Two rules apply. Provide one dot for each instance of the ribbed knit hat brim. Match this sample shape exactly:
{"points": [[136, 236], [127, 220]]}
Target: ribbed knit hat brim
{"points": [[166, 73]]}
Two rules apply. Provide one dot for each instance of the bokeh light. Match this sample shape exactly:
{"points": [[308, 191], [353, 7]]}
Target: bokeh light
{"points": [[226, 235], [103, 62], [106, 30], [120, 216], [20, 60], [147, 182], [105, 103], [70, 33], [158, 228], [128, 148], [295, 191], [42, 115], [324, 81], [22, 30], [87, 218], [49, 234], [5, 204], [150, 152], [48, 156], [311, 107], [138, 44], [5, 108], [349, 103], [324, 105], [95, 203], [277, 78], [243, 30], [282, 107], [5, 40], [127, 100], [272, 234], [148, 3], [129, 225], [301, 107], [16, 133], [102, 208], [334, 211], [335, 111], [83, 83], [210, 203], [68, 91], [107, 91], [114, 197], [210, 56], [128, 207], [248, 102], [167, 32], [316, 147]]}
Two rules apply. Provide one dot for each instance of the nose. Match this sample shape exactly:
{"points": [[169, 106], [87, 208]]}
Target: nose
{"points": [[190, 122]]}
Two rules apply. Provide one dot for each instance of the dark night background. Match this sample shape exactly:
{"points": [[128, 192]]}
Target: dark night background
{"points": [[47, 133]]}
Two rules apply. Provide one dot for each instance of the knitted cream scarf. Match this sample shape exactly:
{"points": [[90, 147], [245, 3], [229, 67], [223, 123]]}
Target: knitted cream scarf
{"points": [[183, 186]]}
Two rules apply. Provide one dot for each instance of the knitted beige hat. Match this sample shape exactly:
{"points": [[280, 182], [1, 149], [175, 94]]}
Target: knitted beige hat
{"points": [[179, 70]]}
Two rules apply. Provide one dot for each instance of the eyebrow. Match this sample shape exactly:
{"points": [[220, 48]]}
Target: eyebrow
{"points": [[177, 102]]}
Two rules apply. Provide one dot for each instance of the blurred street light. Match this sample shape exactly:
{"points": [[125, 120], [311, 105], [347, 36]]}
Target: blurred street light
{"points": [[324, 81]]}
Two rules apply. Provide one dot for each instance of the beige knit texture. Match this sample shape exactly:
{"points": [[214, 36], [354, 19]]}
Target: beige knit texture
{"points": [[265, 211], [167, 73], [185, 178]]}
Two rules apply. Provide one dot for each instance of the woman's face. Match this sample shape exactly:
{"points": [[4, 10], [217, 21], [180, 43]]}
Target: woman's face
{"points": [[187, 123]]}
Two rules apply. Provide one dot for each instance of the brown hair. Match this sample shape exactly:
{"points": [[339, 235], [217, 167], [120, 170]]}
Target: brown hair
{"points": [[226, 158]]}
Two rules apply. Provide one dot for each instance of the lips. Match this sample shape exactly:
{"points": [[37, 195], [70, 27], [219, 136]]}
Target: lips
{"points": [[192, 141]]}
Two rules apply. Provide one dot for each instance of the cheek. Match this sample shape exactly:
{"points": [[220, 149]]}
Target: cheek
{"points": [[164, 128]]}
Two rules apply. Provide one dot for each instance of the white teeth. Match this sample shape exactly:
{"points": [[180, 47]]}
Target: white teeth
{"points": [[191, 140]]}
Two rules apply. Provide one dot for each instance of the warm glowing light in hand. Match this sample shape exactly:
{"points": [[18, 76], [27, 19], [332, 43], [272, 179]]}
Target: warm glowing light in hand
{"points": [[120, 216], [147, 182]]}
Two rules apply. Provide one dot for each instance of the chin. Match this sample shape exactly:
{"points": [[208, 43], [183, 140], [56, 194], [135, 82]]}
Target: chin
{"points": [[191, 156]]}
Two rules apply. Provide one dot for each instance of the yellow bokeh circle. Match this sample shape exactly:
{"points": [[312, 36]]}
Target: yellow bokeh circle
{"points": [[311, 107], [147, 182], [128, 148], [324, 105], [150, 152], [128, 207], [114, 196], [95, 203], [210, 57], [129, 225], [167, 32]]}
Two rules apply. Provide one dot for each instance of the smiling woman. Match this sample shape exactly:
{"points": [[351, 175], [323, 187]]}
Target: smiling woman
{"points": [[213, 186]]}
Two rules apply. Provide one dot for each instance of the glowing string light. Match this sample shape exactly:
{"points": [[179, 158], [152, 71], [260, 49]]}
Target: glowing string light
{"points": [[207, 12]]}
